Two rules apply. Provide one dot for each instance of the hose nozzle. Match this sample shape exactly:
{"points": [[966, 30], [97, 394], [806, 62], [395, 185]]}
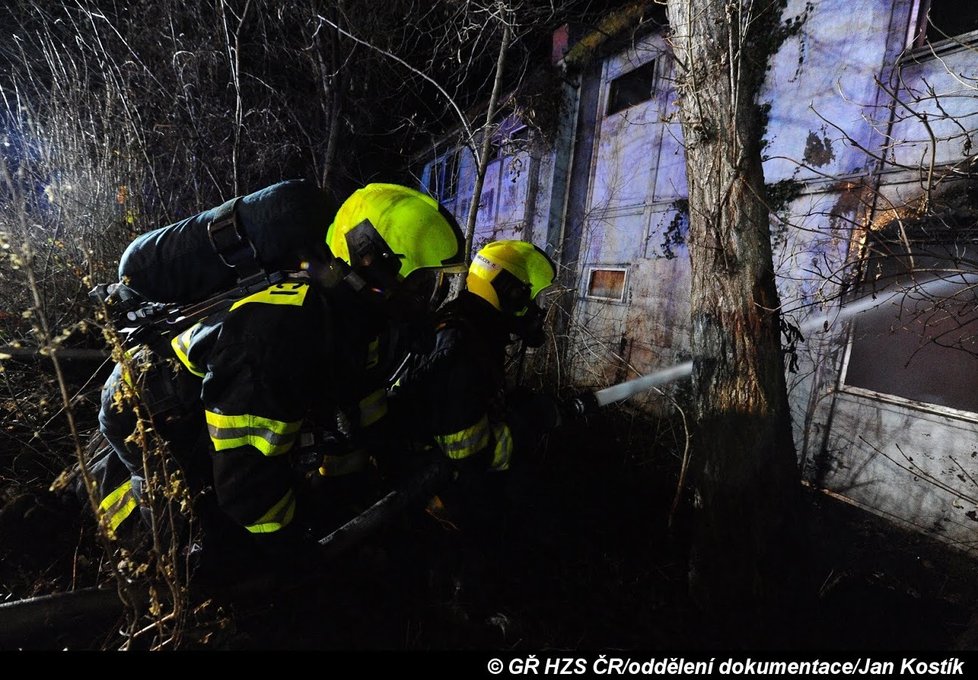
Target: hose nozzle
{"points": [[580, 405]]}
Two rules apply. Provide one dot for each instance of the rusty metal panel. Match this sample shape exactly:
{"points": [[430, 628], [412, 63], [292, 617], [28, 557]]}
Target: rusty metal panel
{"points": [[598, 343], [657, 323]]}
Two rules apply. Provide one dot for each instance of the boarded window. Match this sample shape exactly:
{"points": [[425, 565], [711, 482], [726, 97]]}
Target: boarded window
{"points": [[942, 19], [921, 341], [606, 284], [631, 88]]}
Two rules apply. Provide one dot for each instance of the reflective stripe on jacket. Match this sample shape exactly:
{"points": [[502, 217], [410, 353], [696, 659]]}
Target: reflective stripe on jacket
{"points": [[277, 359], [262, 365], [271, 437], [118, 505], [277, 517], [470, 441], [452, 395]]}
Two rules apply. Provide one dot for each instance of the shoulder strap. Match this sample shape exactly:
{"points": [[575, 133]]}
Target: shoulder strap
{"points": [[231, 243]]}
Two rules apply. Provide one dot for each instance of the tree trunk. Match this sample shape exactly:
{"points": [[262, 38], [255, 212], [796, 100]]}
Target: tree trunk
{"points": [[744, 471]]}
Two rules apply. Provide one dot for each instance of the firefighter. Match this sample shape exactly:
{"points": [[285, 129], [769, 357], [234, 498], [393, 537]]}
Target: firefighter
{"points": [[249, 382], [474, 424], [453, 401]]}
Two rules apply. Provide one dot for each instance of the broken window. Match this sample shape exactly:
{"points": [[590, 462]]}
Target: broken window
{"points": [[938, 20], [918, 335], [606, 284], [631, 88]]}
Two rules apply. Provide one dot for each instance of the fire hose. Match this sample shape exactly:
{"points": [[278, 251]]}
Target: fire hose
{"points": [[23, 621]]}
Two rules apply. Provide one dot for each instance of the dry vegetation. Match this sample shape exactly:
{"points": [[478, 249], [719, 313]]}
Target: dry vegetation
{"points": [[118, 119]]}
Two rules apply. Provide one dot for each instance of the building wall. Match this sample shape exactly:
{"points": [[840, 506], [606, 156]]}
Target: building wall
{"points": [[911, 461], [509, 204], [853, 118]]}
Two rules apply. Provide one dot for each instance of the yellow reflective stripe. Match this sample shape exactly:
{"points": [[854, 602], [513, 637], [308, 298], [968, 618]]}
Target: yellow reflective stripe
{"points": [[373, 407], [126, 375], [271, 437], [119, 504], [277, 517], [279, 294], [181, 347], [373, 353], [504, 446], [467, 442]]}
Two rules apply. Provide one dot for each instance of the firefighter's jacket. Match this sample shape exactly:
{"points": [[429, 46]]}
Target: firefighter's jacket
{"points": [[454, 395], [243, 385]]}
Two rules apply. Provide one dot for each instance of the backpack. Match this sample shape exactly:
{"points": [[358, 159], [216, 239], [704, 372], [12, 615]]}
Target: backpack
{"points": [[174, 276], [194, 258]]}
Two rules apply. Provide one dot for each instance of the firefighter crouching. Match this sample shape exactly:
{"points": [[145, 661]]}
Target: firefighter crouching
{"points": [[455, 400], [237, 389], [476, 424]]}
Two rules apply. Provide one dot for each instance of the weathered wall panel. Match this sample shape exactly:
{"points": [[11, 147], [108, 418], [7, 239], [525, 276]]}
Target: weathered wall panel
{"points": [[916, 466], [826, 106], [657, 322], [514, 185], [810, 239], [598, 343], [615, 239], [629, 140], [941, 113]]}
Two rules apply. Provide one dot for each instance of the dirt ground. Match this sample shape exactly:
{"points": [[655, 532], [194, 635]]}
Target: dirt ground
{"points": [[575, 554], [571, 550]]}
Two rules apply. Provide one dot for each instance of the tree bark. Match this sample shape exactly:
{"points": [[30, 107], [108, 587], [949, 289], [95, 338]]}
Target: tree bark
{"points": [[744, 470]]}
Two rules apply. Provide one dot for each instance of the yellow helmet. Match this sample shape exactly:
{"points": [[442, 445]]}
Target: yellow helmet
{"points": [[400, 226], [510, 274]]}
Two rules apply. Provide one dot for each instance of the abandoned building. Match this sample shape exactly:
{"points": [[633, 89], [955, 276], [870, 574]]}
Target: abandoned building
{"points": [[872, 109]]}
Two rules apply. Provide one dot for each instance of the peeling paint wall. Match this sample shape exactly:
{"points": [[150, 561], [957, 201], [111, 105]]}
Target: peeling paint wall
{"points": [[855, 125], [911, 462], [826, 107], [828, 129]]}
